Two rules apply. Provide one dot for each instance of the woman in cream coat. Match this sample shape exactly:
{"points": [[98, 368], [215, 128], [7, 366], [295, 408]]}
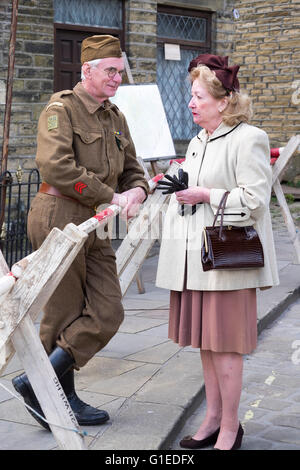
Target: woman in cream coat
{"points": [[216, 310]]}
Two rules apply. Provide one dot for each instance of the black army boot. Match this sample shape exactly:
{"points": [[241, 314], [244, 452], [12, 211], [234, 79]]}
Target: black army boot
{"points": [[86, 415], [61, 362]]}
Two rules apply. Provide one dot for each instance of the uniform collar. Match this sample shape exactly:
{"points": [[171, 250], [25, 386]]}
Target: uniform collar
{"points": [[221, 130], [89, 102]]}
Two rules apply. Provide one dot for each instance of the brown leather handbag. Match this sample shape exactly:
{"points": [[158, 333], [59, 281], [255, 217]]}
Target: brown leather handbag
{"points": [[230, 247]]}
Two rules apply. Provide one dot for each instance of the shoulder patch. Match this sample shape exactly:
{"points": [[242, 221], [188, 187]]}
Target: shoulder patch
{"points": [[54, 103], [52, 122]]}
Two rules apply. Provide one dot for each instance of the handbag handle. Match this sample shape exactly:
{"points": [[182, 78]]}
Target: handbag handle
{"points": [[221, 208]]}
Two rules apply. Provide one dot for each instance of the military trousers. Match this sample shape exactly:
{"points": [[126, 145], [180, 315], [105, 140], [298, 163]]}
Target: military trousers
{"points": [[85, 311]]}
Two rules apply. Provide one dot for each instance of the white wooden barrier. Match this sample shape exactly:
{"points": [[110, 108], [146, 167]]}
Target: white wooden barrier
{"points": [[278, 168], [17, 312], [25, 290]]}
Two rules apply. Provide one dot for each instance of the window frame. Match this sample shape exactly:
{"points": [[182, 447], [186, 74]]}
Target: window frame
{"points": [[187, 12], [120, 33]]}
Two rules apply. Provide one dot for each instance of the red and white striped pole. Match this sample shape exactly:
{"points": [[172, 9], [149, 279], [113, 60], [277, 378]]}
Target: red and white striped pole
{"points": [[275, 152], [111, 211]]}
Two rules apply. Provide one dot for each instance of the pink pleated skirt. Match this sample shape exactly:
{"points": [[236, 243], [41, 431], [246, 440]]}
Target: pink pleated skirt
{"points": [[219, 321]]}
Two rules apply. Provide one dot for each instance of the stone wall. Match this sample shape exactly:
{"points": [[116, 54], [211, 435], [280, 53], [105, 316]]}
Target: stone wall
{"points": [[223, 29], [141, 39], [33, 74], [264, 40]]}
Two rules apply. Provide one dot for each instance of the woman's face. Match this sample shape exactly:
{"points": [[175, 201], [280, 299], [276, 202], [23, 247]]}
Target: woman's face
{"points": [[204, 107]]}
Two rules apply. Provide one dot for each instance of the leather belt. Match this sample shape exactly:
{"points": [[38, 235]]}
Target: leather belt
{"points": [[52, 191]]}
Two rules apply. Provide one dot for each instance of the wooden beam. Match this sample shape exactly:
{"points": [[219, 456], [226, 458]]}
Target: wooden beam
{"points": [[288, 219], [46, 386], [25, 341], [278, 169], [142, 234], [285, 157], [39, 280]]}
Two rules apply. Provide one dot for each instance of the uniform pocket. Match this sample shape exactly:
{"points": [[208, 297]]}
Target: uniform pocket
{"points": [[89, 149], [87, 137], [40, 218], [107, 251], [123, 142]]}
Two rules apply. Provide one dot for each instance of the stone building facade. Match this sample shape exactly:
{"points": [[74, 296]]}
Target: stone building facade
{"points": [[267, 45], [261, 36]]}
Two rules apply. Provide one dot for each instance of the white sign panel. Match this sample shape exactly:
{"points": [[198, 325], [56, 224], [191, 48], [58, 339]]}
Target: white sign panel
{"points": [[146, 118], [172, 52]]}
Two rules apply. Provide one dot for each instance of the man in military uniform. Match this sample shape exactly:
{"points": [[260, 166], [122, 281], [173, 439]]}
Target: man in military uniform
{"points": [[84, 152]]}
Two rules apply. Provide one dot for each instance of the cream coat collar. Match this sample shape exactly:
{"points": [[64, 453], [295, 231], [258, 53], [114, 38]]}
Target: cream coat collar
{"points": [[221, 130]]}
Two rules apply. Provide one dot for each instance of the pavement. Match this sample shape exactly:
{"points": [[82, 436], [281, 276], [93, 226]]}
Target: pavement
{"points": [[151, 387], [270, 401]]}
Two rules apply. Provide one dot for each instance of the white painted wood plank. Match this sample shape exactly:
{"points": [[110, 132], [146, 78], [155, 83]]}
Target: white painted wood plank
{"points": [[35, 361], [40, 278], [47, 387], [285, 157], [138, 257], [7, 350], [288, 219], [139, 229]]}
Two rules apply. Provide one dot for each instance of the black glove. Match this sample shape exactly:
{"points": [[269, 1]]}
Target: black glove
{"points": [[175, 184]]}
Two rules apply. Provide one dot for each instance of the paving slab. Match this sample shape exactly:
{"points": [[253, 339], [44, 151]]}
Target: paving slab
{"points": [[270, 401]]}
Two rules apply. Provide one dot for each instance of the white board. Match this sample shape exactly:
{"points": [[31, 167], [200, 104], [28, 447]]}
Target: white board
{"points": [[143, 108]]}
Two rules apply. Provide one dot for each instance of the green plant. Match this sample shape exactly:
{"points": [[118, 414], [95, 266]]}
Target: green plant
{"points": [[293, 184], [289, 198]]}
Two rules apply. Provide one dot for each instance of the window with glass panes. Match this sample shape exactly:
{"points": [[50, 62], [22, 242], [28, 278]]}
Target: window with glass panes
{"points": [[191, 30], [74, 20]]}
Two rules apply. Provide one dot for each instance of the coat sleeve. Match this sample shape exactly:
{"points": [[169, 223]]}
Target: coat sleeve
{"points": [[56, 160], [253, 174]]}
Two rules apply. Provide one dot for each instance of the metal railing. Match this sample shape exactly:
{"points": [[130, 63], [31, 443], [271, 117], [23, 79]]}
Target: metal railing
{"points": [[17, 191]]}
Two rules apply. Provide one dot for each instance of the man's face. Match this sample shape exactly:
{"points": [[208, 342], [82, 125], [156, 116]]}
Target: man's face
{"points": [[104, 80]]}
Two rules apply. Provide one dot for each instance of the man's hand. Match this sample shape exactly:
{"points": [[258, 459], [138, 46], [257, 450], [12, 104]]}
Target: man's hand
{"points": [[130, 201]]}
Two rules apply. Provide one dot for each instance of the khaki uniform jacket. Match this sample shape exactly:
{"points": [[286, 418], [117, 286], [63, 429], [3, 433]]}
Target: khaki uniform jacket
{"points": [[235, 159], [84, 148]]}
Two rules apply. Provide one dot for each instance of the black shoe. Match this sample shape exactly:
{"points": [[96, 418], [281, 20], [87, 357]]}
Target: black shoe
{"points": [[86, 415], [61, 362], [238, 440], [190, 443]]}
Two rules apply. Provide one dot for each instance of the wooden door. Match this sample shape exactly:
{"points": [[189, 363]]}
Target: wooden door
{"points": [[67, 65]]}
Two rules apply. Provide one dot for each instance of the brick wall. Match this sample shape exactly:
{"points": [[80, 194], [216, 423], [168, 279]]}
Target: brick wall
{"points": [[267, 46], [33, 74]]}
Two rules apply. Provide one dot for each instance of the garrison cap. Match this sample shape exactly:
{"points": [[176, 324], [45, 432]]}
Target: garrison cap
{"points": [[100, 47]]}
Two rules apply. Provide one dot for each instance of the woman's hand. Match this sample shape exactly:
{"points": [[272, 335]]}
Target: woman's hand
{"points": [[193, 195]]}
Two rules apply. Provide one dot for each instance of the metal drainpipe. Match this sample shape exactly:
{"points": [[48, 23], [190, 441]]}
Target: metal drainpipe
{"points": [[9, 88]]}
